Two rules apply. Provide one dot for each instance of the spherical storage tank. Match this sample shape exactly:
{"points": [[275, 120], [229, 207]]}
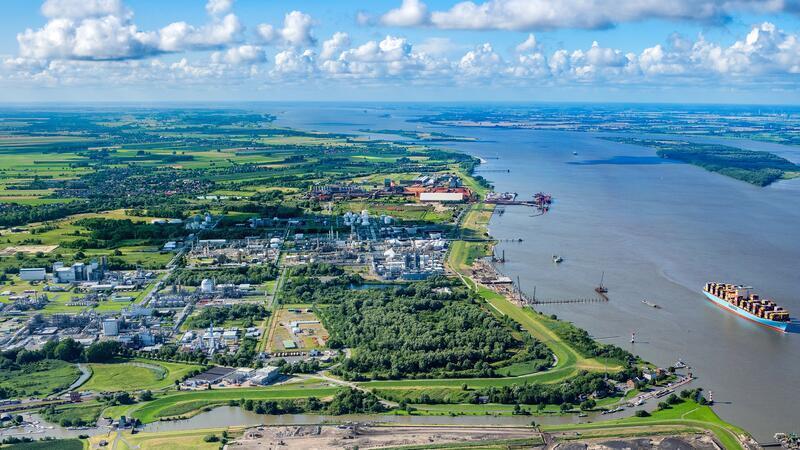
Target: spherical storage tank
{"points": [[206, 286]]}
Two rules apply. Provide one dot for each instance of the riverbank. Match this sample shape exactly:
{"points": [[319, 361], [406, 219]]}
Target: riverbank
{"points": [[461, 263]]}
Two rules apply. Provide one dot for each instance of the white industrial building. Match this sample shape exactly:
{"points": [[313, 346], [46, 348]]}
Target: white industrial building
{"points": [[444, 197], [93, 271], [32, 274], [265, 375], [240, 375], [110, 327]]}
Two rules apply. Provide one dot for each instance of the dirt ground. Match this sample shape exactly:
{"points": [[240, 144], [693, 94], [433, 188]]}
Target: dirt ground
{"points": [[31, 249], [700, 442], [312, 335], [329, 437], [316, 437]]}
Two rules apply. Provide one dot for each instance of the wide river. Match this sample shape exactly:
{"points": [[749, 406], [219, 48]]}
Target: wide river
{"points": [[659, 231]]}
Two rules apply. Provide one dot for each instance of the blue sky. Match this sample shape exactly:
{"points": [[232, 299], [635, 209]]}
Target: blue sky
{"points": [[708, 51]]}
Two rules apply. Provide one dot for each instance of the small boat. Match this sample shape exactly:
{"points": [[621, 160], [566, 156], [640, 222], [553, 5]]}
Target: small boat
{"points": [[601, 289], [557, 259], [575, 153], [651, 304], [679, 364]]}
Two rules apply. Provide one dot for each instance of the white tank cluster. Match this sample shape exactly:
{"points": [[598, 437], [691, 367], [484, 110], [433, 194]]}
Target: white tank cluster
{"points": [[363, 219]]}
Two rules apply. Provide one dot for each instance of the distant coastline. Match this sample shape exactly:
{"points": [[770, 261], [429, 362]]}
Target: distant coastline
{"points": [[759, 168]]}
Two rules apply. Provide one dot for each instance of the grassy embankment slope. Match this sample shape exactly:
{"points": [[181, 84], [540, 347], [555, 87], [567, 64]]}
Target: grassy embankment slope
{"points": [[135, 375], [174, 440], [186, 403]]}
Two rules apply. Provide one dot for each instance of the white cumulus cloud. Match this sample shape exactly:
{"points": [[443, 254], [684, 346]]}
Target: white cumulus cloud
{"points": [[297, 31], [181, 36], [219, 7], [410, 13], [336, 44], [243, 54], [590, 14], [99, 30], [79, 9]]}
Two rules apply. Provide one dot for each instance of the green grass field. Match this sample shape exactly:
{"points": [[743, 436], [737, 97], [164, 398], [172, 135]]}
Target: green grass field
{"points": [[41, 378], [88, 412], [173, 440], [57, 444], [135, 375]]}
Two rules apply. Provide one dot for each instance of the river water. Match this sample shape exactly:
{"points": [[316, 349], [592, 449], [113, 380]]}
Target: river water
{"points": [[659, 230]]}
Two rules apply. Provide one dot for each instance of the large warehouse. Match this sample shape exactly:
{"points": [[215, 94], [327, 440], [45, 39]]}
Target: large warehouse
{"points": [[443, 197]]}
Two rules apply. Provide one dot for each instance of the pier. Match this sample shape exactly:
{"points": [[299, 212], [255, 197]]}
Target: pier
{"points": [[532, 300], [569, 300]]}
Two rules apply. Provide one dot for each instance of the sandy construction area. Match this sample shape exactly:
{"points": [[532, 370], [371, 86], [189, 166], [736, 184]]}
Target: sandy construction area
{"points": [[32, 249], [316, 437]]}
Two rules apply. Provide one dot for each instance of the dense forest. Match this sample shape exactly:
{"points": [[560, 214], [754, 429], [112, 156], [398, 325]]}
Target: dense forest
{"points": [[416, 332], [230, 275], [247, 312], [107, 233], [316, 270]]}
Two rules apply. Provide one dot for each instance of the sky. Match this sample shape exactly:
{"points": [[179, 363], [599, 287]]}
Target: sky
{"points": [[677, 51]]}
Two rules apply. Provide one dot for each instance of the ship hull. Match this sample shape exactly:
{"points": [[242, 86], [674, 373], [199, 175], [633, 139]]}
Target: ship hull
{"points": [[773, 324]]}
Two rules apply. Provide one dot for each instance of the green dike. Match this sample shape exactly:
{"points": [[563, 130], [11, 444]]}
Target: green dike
{"points": [[184, 402], [686, 414], [537, 325], [135, 374]]}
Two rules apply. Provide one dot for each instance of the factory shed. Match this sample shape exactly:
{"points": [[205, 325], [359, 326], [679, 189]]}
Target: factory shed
{"points": [[211, 376], [441, 197]]}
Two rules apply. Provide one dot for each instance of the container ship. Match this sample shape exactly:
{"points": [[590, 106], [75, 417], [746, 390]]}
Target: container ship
{"points": [[741, 301]]}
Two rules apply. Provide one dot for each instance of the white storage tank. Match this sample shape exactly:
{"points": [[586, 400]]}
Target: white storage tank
{"points": [[207, 286]]}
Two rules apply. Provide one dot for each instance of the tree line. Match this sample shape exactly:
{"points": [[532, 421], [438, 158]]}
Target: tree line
{"points": [[252, 274]]}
